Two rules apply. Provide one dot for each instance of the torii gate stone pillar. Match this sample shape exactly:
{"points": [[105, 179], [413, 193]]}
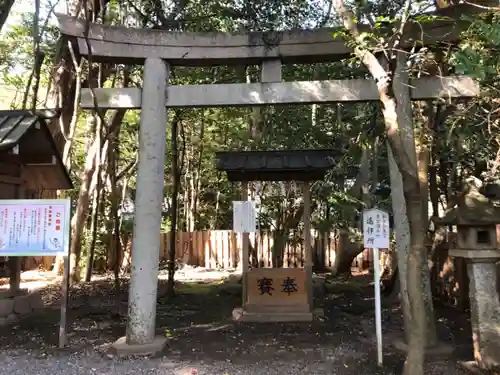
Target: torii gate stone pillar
{"points": [[141, 325], [148, 207]]}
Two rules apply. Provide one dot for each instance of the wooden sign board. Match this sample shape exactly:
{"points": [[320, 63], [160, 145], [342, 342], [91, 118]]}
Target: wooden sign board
{"points": [[244, 218], [376, 231], [277, 287]]}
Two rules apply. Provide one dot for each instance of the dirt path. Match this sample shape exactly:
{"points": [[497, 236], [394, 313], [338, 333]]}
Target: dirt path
{"points": [[203, 338]]}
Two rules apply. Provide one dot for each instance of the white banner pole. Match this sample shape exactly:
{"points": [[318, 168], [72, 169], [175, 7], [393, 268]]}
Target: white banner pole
{"points": [[378, 307]]}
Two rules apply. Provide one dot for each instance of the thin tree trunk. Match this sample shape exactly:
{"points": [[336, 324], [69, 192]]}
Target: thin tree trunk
{"points": [[197, 170], [80, 215], [93, 230], [346, 251], [74, 118], [423, 155], [115, 238], [61, 91], [191, 198], [37, 64], [174, 208], [95, 188]]}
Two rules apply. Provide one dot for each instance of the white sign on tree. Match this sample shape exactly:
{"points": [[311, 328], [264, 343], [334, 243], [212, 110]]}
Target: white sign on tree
{"points": [[244, 218], [376, 230]]}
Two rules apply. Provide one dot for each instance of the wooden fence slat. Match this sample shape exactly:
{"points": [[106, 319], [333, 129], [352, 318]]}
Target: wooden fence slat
{"points": [[222, 248], [213, 249], [200, 261], [225, 254], [262, 254], [267, 249], [206, 246], [234, 250]]}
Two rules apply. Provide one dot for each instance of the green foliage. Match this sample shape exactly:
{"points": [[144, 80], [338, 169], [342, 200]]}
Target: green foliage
{"points": [[17, 56], [478, 53]]}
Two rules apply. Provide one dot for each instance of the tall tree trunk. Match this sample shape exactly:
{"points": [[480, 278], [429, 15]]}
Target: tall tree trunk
{"points": [[81, 212], [115, 238], [93, 230], [174, 208], [423, 145], [5, 6], [199, 164], [345, 250], [74, 117], [61, 91], [64, 88], [419, 317], [191, 196], [95, 188], [401, 220], [80, 216], [393, 94]]}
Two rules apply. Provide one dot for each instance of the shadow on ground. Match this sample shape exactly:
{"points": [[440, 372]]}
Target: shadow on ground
{"points": [[199, 326]]}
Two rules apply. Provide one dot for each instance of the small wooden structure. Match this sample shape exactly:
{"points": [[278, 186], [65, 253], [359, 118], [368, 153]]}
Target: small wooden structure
{"points": [[477, 219], [277, 294], [29, 163]]}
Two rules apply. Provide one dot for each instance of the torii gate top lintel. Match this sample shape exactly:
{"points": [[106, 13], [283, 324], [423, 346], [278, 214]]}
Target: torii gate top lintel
{"points": [[119, 44]]}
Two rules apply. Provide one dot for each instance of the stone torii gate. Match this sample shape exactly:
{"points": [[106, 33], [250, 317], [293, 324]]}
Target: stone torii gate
{"points": [[157, 51]]}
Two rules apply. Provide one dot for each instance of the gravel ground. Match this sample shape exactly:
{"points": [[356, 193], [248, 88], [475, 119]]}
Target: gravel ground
{"points": [[204, 340], [21, 363]]}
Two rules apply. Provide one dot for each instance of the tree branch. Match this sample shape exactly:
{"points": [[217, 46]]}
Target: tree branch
{"points": [[127, 168], [383, 79], [367, 58]]}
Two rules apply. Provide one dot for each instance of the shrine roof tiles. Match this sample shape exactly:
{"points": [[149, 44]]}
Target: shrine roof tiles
{"points": [[37, 150], [277, 165]]}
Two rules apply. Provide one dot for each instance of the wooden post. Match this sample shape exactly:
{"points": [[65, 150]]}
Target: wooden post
{"points": [[15, 263], [63, 322], [244, 252], [307, 243]]}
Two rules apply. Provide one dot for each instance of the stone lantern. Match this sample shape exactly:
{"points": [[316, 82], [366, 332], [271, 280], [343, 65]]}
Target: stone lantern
{"points": [[476, 218]]}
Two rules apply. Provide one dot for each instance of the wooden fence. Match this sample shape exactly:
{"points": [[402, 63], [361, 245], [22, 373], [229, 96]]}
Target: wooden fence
{"points": [[222, 249]]}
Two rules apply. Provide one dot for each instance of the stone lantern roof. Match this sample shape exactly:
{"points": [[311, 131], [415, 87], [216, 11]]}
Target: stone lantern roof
{"points": [[473, 209]]}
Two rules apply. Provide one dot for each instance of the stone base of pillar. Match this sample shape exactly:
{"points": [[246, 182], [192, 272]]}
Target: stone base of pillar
{"points": [[120, 347], [435, 352]]}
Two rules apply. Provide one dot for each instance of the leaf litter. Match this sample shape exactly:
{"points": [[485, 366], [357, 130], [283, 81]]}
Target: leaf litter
{"points": [[203, 340]]}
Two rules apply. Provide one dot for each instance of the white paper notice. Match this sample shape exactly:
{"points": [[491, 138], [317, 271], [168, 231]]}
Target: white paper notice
{"points": [[376, 231], [244, 218], [34, 227]]}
